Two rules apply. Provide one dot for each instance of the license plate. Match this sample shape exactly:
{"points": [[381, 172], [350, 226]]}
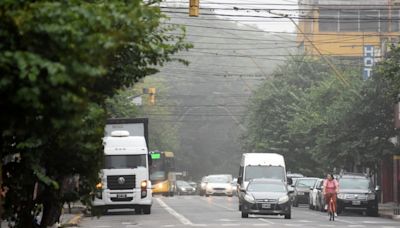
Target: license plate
{"points": [[356, 202], [121, 195], [300, 193], [266, 205]]}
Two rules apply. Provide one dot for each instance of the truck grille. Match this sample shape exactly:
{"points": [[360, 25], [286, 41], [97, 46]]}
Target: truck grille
{"points": [[121, 182]]}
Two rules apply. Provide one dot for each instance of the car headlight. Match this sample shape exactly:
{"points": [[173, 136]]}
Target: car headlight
{"points": [[203, 185], [371, 196], [249, 198], [341, 196], [209, 188], [283, 199], [229, 188]]}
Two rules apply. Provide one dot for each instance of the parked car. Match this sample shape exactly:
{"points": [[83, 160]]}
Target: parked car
{"points": [[265, 197], [356, 192], [184, 188], [302, 190], [292, 177], [203, 185], [194, 185], [219, 185], [314, 192]]}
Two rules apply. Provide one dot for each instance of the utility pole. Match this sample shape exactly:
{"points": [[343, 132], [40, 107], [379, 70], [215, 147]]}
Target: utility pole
{"points": [[194, 8]]}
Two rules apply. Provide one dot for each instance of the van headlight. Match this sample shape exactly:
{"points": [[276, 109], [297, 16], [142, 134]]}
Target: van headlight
{"points": [[371, 196], [283, 200], [249, 198]]}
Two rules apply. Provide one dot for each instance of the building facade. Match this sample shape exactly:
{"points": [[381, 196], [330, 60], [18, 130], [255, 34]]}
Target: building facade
{"points": [[360, 30]]}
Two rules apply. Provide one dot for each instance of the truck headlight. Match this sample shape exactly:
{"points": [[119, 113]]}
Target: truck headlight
{"points": [[341, 196], [283, 199], [249, 198]]}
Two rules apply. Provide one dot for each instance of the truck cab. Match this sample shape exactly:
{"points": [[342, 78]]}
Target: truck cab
{"points": [[125, 175]]}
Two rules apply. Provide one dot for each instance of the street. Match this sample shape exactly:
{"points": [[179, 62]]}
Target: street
{"points": [[220, 211]]}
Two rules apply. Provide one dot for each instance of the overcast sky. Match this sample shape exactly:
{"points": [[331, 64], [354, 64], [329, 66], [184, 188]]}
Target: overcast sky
{"points": [[267, 24]]}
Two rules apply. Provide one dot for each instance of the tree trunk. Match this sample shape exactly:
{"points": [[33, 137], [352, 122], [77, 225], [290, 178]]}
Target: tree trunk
{"points": [[51, 208]]}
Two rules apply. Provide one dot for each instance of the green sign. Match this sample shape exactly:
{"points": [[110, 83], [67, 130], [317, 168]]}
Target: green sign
{"points": [[155, 156]]}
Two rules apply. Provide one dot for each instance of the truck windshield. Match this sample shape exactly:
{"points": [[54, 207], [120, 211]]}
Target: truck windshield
{"points": [[272, 172], [125, 161]]}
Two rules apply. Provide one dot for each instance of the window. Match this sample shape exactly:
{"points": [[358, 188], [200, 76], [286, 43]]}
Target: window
{"points": [[125, 161], [273, 172], [369, 20], [395, 20], [348, 21], [328, 20]]}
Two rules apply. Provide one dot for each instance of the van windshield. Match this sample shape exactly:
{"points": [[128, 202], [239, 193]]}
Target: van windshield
{"points": [[272, 172], [125, 161]]}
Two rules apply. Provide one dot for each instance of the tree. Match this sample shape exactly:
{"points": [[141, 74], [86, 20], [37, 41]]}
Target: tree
{"points": [[59, 61]]}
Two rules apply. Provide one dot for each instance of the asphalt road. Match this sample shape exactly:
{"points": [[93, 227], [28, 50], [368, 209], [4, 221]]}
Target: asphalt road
{"points": [[196, 211]]}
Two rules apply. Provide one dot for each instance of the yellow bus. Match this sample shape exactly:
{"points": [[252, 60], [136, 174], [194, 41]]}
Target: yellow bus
{"points": [[162, 172]]}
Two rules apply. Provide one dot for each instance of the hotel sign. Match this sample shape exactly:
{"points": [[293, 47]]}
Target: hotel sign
{"points": [[369, 61]]}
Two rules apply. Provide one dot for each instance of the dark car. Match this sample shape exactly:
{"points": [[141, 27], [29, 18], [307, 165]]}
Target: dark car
{"points": [[356, 192], [183, 188], [302, 190], [265, 197]]}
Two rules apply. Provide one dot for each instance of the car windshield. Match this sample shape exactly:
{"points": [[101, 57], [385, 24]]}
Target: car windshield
{"points": [[266, 187], [218, 179], [182, 184], [354, 183], [272, 172], [124, 161], [305, 183]]}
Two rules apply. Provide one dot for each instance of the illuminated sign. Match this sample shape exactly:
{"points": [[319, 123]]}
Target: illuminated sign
{"points": [[155, 156]]}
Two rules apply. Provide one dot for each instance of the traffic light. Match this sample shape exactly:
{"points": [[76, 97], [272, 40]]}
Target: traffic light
{"points": [[152, 96], [194, 7]]}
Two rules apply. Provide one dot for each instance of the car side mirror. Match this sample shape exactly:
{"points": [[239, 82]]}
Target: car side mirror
{"points": [[311, 188], [319, 188], [289, 181], [378, 188]]}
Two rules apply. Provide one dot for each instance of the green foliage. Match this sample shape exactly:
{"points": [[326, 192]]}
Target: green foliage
{"points": [[317, 123], [59, 61]]}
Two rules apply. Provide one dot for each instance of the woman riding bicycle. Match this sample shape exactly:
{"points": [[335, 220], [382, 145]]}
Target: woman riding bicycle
{"points": [[330, 189]]}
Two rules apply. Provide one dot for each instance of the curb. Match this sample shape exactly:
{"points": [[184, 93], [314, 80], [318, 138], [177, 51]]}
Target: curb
{"points": [[73, 221], [390, 216]]}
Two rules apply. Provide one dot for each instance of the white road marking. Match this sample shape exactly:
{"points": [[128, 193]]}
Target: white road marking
{"points": [[178, 216], [103, 226], [260, 224], [199, 225], [126, 223], [324, 225], [305, 221], [356, 226], [226, 220], [345, 221], [230, 224], [266, 221], [168, 225]]}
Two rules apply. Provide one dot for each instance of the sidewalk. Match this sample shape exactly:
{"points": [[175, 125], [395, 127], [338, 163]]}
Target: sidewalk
{"points": [[387, 210], [72, 219]]}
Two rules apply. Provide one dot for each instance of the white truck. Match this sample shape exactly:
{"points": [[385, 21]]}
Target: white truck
{"points": [[125, 176], [260, 166]]}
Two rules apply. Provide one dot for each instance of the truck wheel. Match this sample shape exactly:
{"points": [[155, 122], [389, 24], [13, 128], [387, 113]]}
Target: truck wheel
{"points": [[171, 194], [372, 212], [295, 203], [146, 210], [288, 215], [138, 210], [245, 215], [97, 211]]}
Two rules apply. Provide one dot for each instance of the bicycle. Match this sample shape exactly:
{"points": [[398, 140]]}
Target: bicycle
{"points": [[331, 210]]}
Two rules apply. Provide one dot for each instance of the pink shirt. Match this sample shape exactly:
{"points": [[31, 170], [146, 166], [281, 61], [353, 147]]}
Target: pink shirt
{"points": [[330, 186]]}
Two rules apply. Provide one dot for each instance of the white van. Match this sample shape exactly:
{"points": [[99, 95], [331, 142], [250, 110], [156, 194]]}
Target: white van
{"points": [[125, 175], [260, 166]]}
